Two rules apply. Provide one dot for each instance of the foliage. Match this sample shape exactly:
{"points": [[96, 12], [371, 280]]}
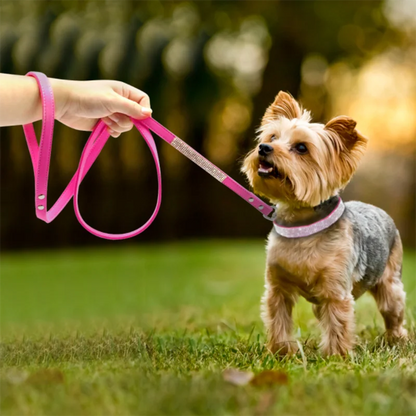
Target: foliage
{"points": [[210, 68]]}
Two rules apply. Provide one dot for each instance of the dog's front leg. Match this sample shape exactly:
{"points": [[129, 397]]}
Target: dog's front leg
{"points": [[277, 305], [336, 318]]}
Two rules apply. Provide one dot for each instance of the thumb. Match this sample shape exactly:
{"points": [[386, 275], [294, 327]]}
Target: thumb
{"points": [[132, 109]]}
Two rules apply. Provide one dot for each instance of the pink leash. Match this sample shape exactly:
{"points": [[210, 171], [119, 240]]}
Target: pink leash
{"points": [[41, 155]]}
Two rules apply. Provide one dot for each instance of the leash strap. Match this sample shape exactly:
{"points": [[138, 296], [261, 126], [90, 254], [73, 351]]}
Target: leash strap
{"points": [[206, 165], [41, 155]]}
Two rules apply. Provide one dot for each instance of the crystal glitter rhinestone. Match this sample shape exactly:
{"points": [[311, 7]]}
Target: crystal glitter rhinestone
{"points": [[307, 230], [193, 155]]}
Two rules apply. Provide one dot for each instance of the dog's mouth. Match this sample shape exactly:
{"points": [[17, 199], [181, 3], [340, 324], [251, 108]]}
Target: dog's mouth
{"points": [[267, 169]]}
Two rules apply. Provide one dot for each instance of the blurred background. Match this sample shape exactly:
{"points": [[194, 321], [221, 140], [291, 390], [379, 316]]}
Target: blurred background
{"points": [[210, 68]]}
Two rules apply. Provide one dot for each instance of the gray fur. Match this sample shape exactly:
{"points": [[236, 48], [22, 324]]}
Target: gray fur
{"points": [[374, 235]]}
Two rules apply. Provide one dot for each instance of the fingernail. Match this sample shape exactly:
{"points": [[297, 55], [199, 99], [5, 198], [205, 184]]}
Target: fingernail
{"points": [[111, 131], [115, 118], [146, 111], [108, 122]]}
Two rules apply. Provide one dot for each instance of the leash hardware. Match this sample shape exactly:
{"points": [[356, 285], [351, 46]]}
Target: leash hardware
{"points": [[271, 216]]}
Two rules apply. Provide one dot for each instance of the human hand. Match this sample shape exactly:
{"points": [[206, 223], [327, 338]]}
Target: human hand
{"points": [[80, 104]]}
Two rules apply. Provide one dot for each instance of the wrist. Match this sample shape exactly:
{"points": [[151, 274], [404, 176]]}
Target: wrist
{"points": [[60, 93]]}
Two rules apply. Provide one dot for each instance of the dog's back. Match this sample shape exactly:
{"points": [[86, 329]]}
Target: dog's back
{"points": [[374, 236]]}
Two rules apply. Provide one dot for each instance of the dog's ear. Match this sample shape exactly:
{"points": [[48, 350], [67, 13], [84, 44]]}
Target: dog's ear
{"points": [[349, 144], [284, 105], [344, 127]]}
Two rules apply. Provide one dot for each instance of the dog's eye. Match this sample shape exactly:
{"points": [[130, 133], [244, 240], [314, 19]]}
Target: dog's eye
{"points": [[273, 138], [301, 148]]}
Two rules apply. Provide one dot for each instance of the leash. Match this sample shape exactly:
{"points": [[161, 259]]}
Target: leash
{"points": [[41, 155]]}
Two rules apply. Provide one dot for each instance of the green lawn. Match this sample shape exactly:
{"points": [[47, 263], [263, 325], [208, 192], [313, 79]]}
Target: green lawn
{"points": [[149, 330]]}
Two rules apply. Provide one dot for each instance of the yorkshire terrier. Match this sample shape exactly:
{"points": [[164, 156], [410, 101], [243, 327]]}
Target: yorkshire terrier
{"points": [[319, 248]]}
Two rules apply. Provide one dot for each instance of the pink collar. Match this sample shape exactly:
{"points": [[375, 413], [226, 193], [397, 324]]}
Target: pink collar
{"points": [[316, 227]]}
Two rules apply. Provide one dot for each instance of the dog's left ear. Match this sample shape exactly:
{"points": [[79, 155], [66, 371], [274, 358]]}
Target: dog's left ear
{"points": [[349, 143], [344, 127]]}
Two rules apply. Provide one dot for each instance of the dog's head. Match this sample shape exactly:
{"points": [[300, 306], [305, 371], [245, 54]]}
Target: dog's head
{"points": [[299, 161]]}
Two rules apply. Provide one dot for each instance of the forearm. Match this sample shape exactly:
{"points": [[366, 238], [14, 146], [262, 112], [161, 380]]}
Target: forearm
{"points": [[78, 104], [20, 101]]}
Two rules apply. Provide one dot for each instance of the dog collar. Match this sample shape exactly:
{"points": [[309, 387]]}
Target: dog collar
{"points": [[316, 227]]}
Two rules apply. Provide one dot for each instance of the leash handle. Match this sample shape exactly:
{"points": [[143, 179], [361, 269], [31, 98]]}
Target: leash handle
{"points": [[91, 151], [41, 155]]}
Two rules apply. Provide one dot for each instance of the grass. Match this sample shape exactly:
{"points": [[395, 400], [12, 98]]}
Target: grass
{"points": [[149, 330]]}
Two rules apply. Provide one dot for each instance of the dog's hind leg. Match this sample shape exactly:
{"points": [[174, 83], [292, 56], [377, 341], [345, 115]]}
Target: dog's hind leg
{"points": [[390, 295]]}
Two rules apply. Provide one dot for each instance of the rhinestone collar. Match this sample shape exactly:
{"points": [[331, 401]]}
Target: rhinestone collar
{"points": [[316, 227]]}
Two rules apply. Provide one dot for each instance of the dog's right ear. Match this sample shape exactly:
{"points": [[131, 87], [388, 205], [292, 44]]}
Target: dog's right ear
{"points": [[284, 105]]}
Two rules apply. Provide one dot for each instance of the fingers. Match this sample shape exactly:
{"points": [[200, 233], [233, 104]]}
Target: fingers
{"points": [[117, 123], [131, 101], [125, 106], [136, 95]]}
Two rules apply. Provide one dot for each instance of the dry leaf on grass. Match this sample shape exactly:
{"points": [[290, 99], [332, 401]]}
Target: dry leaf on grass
{"points": [[47, 376], [265, 378], [270, 377], [16, 376], [237, 377]]}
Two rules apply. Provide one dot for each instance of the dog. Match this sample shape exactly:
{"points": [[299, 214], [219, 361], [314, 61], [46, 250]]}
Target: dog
{"points": [[301, 167]]}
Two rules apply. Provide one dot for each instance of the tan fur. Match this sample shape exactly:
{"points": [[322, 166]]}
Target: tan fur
{"points": [[334, 152], [284, 105], [315, 269], [319, 267]]}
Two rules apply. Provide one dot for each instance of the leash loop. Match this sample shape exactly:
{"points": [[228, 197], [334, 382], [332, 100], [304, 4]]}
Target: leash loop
{"points": [[41, 155]]}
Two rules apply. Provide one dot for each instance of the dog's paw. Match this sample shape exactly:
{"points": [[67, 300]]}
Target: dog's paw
{"points": [[283, 347], [328, 352], [340, 349], [397, 335]]}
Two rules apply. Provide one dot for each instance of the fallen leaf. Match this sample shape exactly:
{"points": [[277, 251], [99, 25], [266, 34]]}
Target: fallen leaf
{"points": [[270, 377], [16, 376], [237, 377], [47, 376]]}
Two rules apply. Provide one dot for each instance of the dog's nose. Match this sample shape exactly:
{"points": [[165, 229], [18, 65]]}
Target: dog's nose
{"points": [[265, 149]]}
